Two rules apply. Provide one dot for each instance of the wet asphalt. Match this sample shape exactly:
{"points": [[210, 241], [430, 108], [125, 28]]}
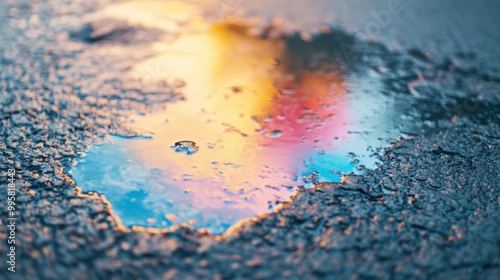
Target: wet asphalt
{"points": [[431, 209]]}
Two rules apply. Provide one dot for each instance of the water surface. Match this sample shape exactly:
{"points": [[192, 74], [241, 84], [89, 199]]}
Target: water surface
{"points": [[263, 116]]}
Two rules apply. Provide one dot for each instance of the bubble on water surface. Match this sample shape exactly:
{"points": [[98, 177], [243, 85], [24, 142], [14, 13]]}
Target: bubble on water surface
{"points": [[189, 147]]}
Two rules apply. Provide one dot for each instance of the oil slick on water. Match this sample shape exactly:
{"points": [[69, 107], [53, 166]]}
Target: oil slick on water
{"points": [[262, 118]]}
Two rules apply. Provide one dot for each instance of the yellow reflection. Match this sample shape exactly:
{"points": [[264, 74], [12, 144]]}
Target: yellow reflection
{"points": [[164, 15], [229, 79]]}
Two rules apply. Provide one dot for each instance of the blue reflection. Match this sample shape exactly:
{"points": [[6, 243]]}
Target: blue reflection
{"points": [[141, 195], [328, 167]]}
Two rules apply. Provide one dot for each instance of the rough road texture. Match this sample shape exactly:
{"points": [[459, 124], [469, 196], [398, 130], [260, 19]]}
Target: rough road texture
{"points": [[431, 209]]}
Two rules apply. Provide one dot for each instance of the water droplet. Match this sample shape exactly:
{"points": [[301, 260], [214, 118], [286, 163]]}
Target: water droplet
{"points": [[186, 146], [210, 145], [274, 134]]}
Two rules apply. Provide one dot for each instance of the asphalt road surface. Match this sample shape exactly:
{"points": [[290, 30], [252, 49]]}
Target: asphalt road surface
{"points": [[430, 208]]}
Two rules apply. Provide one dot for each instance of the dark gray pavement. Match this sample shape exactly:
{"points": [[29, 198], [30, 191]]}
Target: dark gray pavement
{"points": [[430, 210]]}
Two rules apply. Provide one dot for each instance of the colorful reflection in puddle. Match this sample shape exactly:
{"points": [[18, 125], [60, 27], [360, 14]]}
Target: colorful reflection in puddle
{"points": [[263, 122]]}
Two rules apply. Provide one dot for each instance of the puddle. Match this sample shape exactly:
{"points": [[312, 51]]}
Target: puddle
{"points": [[260, 117]]}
